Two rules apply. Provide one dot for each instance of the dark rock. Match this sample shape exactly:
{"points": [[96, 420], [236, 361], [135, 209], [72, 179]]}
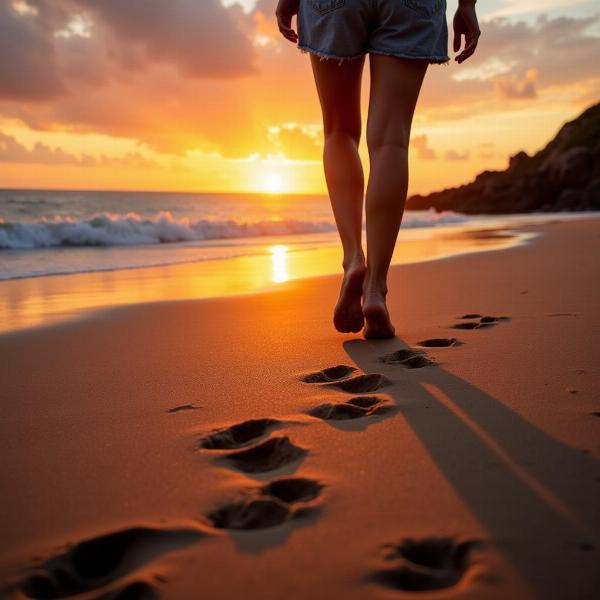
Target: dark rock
{"points": [[563, 176], [591, 195]]}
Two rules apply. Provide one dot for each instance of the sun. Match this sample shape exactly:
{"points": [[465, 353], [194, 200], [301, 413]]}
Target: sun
{"points": [[273, 183]]}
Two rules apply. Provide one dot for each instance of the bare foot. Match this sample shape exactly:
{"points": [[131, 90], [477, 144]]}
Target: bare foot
{"points": [[348, 314], [378, 324]]}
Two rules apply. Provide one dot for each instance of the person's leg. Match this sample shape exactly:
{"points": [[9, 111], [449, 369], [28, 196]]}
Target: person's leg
{"points": [[338, 86], [395, 86]]}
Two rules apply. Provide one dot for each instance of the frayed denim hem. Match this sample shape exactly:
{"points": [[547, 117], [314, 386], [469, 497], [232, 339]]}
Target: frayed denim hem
{"points": [[432, 60], [326, 55]]}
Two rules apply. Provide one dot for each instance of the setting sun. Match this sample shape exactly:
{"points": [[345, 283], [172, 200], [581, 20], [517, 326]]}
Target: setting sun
{"points": [[273, 183]]}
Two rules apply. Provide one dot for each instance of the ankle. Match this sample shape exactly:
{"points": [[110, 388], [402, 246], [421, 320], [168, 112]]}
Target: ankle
{"points": [[373, 286], [353, 261], [374, 296]]}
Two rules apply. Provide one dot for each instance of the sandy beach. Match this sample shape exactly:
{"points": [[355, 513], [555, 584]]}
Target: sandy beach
{"points": [[241, 448]]}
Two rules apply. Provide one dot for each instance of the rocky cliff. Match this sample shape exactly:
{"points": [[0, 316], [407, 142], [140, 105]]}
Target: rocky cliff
{"points": [[564, 176]]}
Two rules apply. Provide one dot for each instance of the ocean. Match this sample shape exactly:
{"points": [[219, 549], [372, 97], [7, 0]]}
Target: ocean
{"points": [[59, 232]]}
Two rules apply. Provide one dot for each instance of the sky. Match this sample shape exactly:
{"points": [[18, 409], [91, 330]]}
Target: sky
{"points": [[190, 95]]}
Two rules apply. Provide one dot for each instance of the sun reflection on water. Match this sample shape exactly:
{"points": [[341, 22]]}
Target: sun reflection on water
{"points": [[279, 260]]}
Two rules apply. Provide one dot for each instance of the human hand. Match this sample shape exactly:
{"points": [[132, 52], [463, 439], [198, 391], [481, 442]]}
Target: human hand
{"points": [[286, 9], [465, 23]]}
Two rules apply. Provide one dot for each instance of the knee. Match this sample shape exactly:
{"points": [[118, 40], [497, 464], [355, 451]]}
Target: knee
{"points": [[377, 140], [340, 136], [341, 129]]}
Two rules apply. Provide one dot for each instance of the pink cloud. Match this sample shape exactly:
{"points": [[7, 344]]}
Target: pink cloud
{"points": [[424, 152]]}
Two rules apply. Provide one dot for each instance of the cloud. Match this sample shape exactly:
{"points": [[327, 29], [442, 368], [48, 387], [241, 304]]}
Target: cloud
{"points": [[546, 44], [159, 72], [419, 144], [297, 142], [28, 61], [515, 87], [190, 75], [267, 7], [48, 46], [516, 61], [521, 7], [202, 39], [454, 155], [12, 151]]}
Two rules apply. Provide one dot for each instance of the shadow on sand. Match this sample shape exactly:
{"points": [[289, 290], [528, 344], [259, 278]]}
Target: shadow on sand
{"points": [[538, 499]]}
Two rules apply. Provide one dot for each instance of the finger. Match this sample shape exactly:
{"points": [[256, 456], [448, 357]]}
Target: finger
{"points": [[463, 56], [456, 42], [467, 52], [291, 38], [288, 33], [471, 44], [471, 40]]}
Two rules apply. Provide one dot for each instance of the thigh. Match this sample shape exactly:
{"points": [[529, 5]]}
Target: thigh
{"points": [[395, 86], [338, 85]]}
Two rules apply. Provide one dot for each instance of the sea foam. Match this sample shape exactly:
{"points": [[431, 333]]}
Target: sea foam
{"points": [[107, 229]]}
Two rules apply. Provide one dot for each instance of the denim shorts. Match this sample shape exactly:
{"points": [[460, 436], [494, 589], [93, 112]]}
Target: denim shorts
{"points": [[345, 29]]}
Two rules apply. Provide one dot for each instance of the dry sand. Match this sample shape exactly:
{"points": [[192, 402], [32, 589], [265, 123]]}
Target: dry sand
{"points": [[487, 460]]}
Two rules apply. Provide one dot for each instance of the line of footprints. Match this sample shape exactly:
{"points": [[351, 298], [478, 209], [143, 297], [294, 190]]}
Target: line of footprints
{"points": [[100, 563], [249, 447]]}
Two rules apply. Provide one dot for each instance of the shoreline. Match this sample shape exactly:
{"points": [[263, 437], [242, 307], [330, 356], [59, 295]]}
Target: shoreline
{"points": [[297, 241], [43, 300]]}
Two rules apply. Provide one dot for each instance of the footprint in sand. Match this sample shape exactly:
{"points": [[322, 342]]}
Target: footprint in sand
{"points": [[136, 590], [361, 384], [480, 323], [253, 455], [355, 408], [407, 357], [329, 374], [269, 505], [176, 409], [339, 377], [426, 564], [274, 453], [238, 435], [439, 343], [474, 325], [94, 563]]}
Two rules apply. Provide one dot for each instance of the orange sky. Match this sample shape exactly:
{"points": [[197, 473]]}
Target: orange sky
{"points": [[187, 95]]}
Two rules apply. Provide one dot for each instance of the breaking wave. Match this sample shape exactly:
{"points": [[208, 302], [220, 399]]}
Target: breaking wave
{"points": [[107, 229]]}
